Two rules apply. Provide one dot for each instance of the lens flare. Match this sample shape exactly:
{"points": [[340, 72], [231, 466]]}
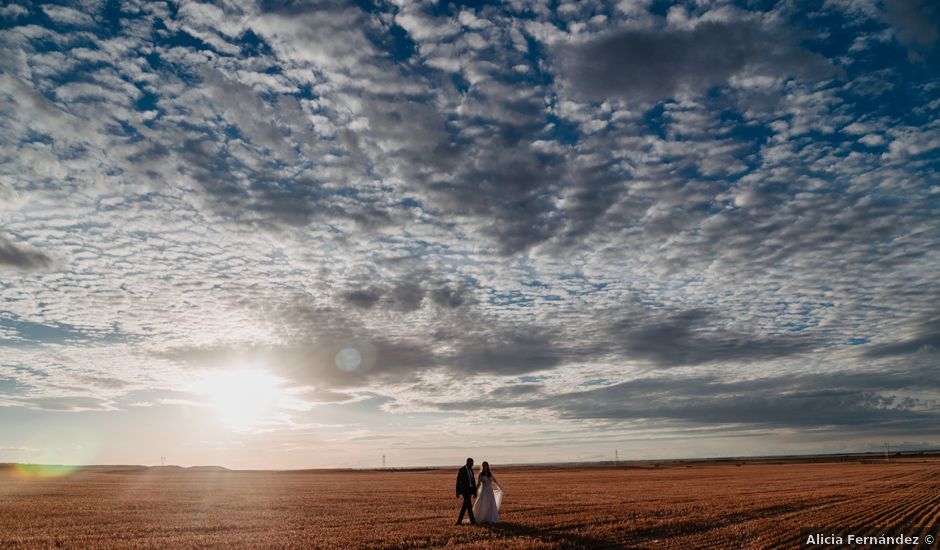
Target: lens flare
{"points": [[43, 471], [355, 356], [348, 359]]}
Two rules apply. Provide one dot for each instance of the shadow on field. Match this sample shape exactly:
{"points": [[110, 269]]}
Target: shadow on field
{"points": [[569, 540]]}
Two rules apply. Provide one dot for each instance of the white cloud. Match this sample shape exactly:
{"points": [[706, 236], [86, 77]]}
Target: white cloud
{"points": [[872, 140], [68, 16], [462, 210]]}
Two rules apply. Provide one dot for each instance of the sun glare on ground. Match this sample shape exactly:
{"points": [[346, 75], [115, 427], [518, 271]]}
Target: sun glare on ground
{"points": [[243, 398]]}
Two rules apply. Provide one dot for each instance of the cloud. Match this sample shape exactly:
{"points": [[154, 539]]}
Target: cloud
{"points": [[17, 449], [741, 404], [321, 364], [450, 297], [694, 337], [365, 298], [509, 351], [652, 64], [68, 16], [917, 23], [462, 344], [837, 401], [13, 11], [926, 337], [23, 257], [385, 204], [404, 296], [407, 296], [64, 403]]}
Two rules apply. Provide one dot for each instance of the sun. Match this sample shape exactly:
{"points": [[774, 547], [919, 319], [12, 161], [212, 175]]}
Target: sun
{"points": [[243, 398]]}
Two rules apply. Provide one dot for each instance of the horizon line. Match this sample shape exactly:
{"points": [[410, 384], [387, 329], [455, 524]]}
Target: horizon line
{"points": [[931, 451]]}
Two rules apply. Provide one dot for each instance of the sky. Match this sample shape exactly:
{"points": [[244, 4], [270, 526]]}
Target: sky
{"points": [[309, 234]]}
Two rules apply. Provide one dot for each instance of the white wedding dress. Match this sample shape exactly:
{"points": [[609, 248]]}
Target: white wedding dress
{"points": [[486, 507]]}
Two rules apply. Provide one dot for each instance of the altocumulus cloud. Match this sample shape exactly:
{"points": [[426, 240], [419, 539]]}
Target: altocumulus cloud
{"points": [[22, 256], [607, 219], [656, 63]]}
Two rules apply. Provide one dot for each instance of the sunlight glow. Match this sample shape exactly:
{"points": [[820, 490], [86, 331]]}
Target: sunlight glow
{"points": [[244, 398]]}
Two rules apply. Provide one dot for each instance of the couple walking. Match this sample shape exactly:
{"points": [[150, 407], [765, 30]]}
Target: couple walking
{"points": [[486, 507]]}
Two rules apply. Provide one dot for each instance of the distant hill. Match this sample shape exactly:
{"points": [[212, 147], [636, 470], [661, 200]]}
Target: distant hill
{"points": [[205, 469]]}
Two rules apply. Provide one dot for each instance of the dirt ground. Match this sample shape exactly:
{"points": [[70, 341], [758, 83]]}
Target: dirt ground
{"points": [[762, 505]]}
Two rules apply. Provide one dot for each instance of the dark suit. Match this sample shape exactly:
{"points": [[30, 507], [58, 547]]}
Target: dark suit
{"points": [[466, 488]]}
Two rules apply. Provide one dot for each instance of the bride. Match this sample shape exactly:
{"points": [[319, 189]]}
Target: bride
{"points": [[486, 507]]}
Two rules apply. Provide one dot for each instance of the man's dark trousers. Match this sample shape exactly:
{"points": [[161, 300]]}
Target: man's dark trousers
{"points": [[467, 507]]}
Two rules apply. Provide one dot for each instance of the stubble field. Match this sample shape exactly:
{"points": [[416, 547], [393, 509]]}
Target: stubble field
{"points": [[761, 505]]}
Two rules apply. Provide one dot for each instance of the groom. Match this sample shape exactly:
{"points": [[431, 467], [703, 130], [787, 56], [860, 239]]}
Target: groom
{"points": [[466, 488]]}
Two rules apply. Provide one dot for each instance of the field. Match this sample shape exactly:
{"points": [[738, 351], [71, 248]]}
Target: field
{"points": [[722, 505]]}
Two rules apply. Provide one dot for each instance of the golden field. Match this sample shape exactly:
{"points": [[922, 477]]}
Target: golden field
{"points": [[677, 505]]}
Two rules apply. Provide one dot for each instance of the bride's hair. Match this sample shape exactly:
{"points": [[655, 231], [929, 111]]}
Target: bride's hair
{"points": [[486, 469]]}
